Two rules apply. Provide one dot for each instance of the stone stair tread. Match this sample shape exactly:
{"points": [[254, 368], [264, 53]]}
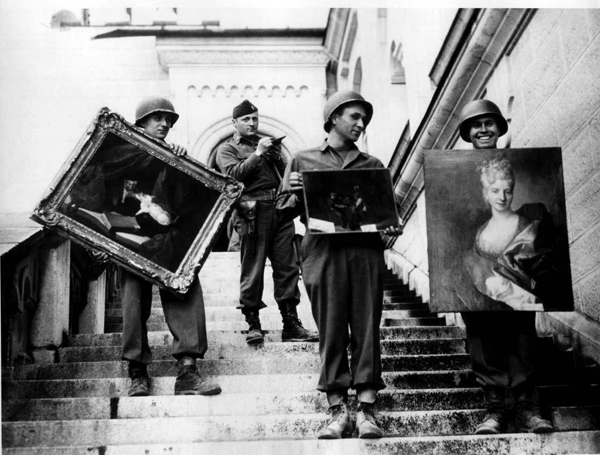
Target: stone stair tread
{"points": [[579, 442], [269, 404], [302, 364], [227, 404], [163, 385], [228, 336], [243, 403], [260, 427], [274, 348]]}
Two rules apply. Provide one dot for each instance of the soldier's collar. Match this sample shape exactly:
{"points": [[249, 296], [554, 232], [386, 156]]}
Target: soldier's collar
{"points": [[238, 138]]}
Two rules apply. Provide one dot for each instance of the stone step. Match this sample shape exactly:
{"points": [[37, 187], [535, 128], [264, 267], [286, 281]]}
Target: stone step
{"points": [[302, 364], [573, 442], [405, 306], [233, 337], [95, 432], [261, 403], [217, 314], [163, 385], [272, 349], [229, 296], [268, 324], [433, 320], [272, 321], [228, 404]]}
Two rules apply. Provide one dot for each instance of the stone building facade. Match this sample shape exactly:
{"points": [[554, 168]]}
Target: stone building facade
{"points": [[540, 67], [418, 67]]}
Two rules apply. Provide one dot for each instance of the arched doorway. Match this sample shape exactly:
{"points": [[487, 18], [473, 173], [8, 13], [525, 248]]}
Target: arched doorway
{"points": [[222, 132]]}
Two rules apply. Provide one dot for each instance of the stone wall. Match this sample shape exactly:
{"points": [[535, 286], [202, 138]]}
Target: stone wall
{"points": [[53, 82], [548, 87], [550, 80]]}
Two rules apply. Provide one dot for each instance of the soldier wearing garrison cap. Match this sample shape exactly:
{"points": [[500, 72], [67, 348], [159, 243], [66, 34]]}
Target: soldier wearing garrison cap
{"points": [[257, 163]]}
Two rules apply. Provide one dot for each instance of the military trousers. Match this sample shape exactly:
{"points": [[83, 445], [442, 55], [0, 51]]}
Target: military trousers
{"points": [[184, 315], [344, 281], [267, 236], [502, 347]]}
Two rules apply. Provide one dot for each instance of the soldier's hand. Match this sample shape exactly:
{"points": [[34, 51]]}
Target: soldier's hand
{"points": [[296, 181], [274, 153], [264, 145], [98, 256], [393, 231], [178, 149]]}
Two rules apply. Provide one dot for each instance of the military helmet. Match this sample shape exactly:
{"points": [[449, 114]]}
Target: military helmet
{"points": [[339, 99], [477, 108], [151, 105]]}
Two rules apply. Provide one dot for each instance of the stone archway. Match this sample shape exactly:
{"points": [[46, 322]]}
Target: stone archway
{"points": [[205, 146]]}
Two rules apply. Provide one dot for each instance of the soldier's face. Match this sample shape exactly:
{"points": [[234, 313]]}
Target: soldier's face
{"points": [[158, 125], [350, 123], [484, 132], [246, 125]]}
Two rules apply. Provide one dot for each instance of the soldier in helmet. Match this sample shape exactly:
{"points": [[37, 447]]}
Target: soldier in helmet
{"points": [[184, 315], [343, 275], [501, 344], [258, 164]]}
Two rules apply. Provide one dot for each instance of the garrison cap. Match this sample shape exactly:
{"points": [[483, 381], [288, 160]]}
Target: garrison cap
{"points": [[244, 108]]}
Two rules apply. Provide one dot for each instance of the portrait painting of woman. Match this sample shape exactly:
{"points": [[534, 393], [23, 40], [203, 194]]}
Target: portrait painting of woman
{"points": [[497, 235]]}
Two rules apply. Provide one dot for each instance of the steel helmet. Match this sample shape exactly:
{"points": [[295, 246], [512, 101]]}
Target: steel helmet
{"points": [[477, 108], [154, 104], [339, 99]]}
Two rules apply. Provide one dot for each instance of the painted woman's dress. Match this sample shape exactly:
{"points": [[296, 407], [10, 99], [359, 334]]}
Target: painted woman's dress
{"points": [[522, 273]]}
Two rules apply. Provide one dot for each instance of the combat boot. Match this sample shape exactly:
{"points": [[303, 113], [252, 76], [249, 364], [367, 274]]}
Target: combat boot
{"points": [[140, 381], [527, 416], [255, 334], [495, 419], [366, 423], [293, 331], [339, 425], [189, 381]]}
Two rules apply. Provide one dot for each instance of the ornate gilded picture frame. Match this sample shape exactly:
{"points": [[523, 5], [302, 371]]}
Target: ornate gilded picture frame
{"points": [[127, 194], [497, 236]]}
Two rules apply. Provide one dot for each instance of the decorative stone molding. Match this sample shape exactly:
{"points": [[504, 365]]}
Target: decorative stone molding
{"points": [[171, 57], [249, 91], [486, 39], [205, 144]]}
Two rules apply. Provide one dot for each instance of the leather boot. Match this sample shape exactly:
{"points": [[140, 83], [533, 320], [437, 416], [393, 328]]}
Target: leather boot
{"points": [[339, 425], [527, 417], [365, 422], [189, 381], [494, 421], [293, 331], [140, 381], [255, 334]]}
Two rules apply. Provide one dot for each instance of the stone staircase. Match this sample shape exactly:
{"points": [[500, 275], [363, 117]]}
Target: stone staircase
{"points": [[269, 405]]}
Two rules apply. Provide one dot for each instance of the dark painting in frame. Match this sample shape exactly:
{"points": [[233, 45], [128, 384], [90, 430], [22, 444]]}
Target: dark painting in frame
{"points": [[349, 201], [128, 195], [494, 245]]}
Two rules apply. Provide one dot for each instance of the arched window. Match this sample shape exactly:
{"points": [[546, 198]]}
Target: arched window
{"points": [[357, 81], [396, 68]]}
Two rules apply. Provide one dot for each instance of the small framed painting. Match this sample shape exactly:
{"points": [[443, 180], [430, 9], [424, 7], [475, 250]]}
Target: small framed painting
{"points": [[349, 201]]}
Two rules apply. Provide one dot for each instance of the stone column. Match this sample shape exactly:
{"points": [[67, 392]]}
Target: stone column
{"points": [[91, 319], [51, 320]]}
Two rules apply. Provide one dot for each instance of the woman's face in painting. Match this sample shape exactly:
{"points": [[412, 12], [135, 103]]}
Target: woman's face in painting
{"points": [[499, 195]]}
